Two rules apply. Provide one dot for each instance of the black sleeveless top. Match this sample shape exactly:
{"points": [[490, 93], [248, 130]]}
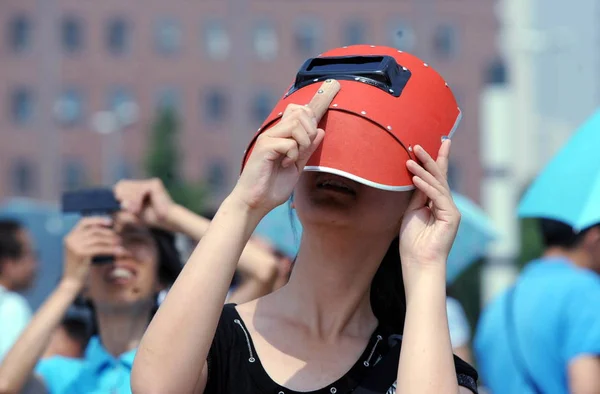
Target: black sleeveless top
{"points": [[234, 367]]}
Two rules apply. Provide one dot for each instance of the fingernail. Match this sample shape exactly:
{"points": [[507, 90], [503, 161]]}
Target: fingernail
{"points": [[314, 120], [320, 91], [328, 81]]}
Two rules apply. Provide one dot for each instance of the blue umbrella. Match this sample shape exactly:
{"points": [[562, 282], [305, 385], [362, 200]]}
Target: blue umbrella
{"points": [[282, 228], [475, 232], [568, 189]]}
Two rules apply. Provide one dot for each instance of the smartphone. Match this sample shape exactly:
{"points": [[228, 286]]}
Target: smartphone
{"points": [[92, 202]]}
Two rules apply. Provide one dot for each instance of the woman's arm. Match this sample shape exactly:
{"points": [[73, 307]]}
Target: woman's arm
{"points": [[426, 362], [150, 201], [172, 354], [256, 263], [173, 351], [428, 230], [16, 369]]}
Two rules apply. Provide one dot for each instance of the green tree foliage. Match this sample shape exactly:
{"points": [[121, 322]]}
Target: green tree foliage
{"points": [[163, 161]]}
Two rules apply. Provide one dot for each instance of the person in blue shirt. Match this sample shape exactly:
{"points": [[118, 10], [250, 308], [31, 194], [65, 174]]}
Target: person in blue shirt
{"points": [[123, 295], [543, 334]]}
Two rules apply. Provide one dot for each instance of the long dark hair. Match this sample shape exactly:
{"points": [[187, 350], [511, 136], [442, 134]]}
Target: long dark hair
{"points": [[388, 300]]}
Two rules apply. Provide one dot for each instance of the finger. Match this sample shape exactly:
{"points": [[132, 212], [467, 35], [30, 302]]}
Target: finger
{"points": [[297, 128], [293, 109], [107, 250], [323, 98], [443, 156], [94, 221], [282, 148], [100, 233], [425, 175], [122, 192], [440, 200], [99, 243], [135, 198], [303, 159], [430, 165], [417, 201], [160, 198]]}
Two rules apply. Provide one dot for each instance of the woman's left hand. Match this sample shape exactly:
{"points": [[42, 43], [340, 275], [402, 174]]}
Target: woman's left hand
{"points": [[147, 199], [431, 219]]}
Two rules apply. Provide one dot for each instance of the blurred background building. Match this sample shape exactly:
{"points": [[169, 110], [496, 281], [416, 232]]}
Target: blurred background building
{"points": [[551, 53], [81, 82]]}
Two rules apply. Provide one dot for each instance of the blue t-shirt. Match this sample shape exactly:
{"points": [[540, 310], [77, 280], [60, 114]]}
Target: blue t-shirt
{"points": [[97, 373], [557, 319]]}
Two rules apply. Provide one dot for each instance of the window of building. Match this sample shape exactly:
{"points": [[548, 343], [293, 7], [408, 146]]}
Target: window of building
{"points": [[23, 178], [118, 36], [119, 96], [69, 109], [354, 33], [168, 36], [74, 174], [306, 37], [216, 176], [216, 105], [265, 41], [21, 105], [216, 40], [445, 41], [402, 36], [495, 73], [20, 33], [169, 97], [72, 34], [262, 106]]}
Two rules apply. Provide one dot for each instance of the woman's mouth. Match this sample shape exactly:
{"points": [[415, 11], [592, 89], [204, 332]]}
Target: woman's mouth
{"points": [[120, 275], [335, 183]]}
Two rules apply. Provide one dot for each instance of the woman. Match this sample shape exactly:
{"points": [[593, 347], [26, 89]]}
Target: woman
{"points": [[123, 294], [327, 330]]}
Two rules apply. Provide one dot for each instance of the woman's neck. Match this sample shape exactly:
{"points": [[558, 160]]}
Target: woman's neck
{"points": [[121, 330], [329, 286]]}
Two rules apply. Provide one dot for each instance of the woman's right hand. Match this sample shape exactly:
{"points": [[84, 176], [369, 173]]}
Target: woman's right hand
{"points": [[92, 236], [280, 153]]}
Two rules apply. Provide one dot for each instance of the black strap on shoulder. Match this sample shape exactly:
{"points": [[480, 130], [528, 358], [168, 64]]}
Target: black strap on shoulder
{"points": [[514, 345], [383, 374]]}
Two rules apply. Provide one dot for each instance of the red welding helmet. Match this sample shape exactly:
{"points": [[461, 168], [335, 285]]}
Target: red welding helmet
{"points": [[389, 101]]}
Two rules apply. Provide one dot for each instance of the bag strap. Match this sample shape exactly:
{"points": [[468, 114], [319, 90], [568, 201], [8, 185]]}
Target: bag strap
{"points": [[383, 375], [514, 345]]}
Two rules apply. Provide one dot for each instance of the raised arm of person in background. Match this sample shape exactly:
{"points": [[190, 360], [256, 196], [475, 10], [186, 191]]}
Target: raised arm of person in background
{"points": [[150, 200], [91, 236], [173, 353]]}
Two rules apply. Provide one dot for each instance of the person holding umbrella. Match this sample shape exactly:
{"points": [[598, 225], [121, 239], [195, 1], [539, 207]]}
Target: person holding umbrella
{"points": [[543, 334]]}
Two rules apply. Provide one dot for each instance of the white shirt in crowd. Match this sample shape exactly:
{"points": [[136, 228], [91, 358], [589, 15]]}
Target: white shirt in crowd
{"points": [[15, 314]]}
